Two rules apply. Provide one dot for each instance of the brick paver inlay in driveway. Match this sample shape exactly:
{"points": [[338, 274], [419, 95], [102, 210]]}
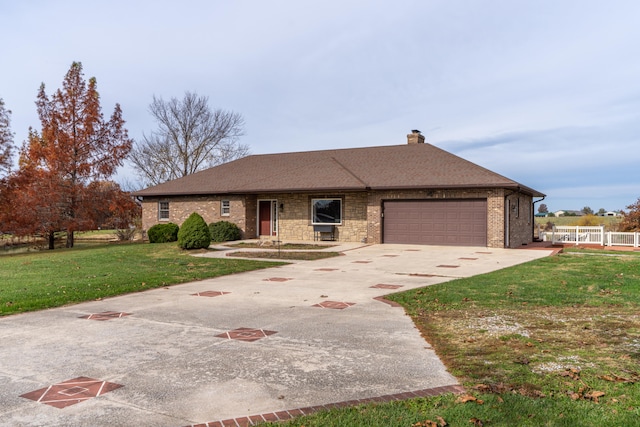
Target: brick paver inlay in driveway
{"points": [[246, 334], [338, 305], [210, 293], [105, 315], [70, 392]]}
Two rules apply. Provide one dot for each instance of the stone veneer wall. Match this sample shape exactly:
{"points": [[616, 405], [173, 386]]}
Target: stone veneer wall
{"points": [[207, 206]]}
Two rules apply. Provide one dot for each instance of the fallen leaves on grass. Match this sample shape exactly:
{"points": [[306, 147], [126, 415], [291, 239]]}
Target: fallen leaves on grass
{"points": [[428, 423], [504, 388], [477, 422], [469, 398], [573, 373], [594, 395], [618, 379]]}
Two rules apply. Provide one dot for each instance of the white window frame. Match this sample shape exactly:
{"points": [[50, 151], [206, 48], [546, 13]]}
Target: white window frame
{"points": [[161, 211], [313, 210], [225, 207]]}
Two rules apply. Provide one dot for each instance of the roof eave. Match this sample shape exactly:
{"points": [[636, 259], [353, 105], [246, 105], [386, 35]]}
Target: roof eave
{"points": [[509, 186]]}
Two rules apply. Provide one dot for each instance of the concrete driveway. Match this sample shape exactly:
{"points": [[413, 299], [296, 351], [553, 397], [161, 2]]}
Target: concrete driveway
{"points": [[260, 345]]}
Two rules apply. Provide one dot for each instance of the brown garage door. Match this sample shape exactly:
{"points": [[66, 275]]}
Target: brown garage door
{"points": [[436, 222]]}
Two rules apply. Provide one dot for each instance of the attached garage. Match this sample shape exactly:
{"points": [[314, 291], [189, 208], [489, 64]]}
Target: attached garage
{"points": [[460, 222]]}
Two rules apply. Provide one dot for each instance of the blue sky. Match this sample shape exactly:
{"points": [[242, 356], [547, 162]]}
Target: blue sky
{"points": [[544, 92]]}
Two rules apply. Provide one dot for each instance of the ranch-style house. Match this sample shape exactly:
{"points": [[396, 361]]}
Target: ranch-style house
{"points": [[413, 193]]}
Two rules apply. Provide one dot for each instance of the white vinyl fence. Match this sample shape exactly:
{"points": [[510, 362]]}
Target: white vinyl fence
{"points": [[591, 236], [623, 239]]}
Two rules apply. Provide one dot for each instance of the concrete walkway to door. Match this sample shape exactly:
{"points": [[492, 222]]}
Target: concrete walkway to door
{"points": [[260, 345]]}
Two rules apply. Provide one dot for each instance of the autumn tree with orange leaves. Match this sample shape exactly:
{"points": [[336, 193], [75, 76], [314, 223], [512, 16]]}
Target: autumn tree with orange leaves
{"points": [[631, 220], [65, 169]]}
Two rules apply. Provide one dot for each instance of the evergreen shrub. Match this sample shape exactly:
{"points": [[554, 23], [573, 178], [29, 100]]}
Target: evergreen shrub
{"points": [[194, 233], [224, 231], [162, 233]]}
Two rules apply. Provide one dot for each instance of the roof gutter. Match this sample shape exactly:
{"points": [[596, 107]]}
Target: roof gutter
{"points": [[533, 221]]}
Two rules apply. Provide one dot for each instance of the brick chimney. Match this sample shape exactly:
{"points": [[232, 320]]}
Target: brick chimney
{"points": [[415, 137]]}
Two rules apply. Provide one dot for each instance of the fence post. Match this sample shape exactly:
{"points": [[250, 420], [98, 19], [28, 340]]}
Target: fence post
{"points": [[636, 239]]}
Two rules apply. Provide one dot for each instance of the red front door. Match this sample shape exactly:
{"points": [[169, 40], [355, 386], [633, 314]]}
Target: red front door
{"points": [[264, 212]]}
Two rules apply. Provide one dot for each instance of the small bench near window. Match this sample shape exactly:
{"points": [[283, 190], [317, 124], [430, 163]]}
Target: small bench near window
{"points": [[324, 232]]}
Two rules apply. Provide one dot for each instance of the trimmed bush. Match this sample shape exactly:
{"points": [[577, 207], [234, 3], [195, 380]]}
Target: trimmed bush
{"points": [[194, 233], [162, 233], [224, 231]]}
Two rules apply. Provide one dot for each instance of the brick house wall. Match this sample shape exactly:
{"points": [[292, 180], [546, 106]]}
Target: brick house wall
{"points": [[361, 216], [520, 220], [180, 207], [294, 215]]}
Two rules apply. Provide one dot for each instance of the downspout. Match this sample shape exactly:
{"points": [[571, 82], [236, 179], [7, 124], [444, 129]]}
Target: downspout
{"points": [[533, 217], [507, 216]]}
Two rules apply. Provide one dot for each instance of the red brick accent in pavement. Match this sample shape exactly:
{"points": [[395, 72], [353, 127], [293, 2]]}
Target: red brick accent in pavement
{"points": [[293, 413], [246, 334], [336, 305], [70, 392], [105, 315], [210, 293]]}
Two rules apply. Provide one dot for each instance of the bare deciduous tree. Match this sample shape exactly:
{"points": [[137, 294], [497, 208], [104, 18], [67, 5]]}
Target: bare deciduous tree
{"points": [[190, 137]]}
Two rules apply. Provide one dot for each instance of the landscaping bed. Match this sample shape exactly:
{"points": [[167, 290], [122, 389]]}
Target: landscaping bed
{"points": [[285, 255], [267, 244]]}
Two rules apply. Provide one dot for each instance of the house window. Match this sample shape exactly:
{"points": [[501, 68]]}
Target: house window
{"points": [[163, 210], [225, 207], [326, 211]]}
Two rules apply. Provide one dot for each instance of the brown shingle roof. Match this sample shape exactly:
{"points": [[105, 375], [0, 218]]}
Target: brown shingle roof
{"points": [[373, 168]]}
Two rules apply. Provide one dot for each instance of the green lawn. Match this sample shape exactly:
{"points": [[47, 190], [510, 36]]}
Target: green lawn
{"points": [[554, 342], [48, 279]]}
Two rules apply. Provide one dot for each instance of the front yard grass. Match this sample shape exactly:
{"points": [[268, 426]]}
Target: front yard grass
{"points": [[48, 279], [554, 342]]}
